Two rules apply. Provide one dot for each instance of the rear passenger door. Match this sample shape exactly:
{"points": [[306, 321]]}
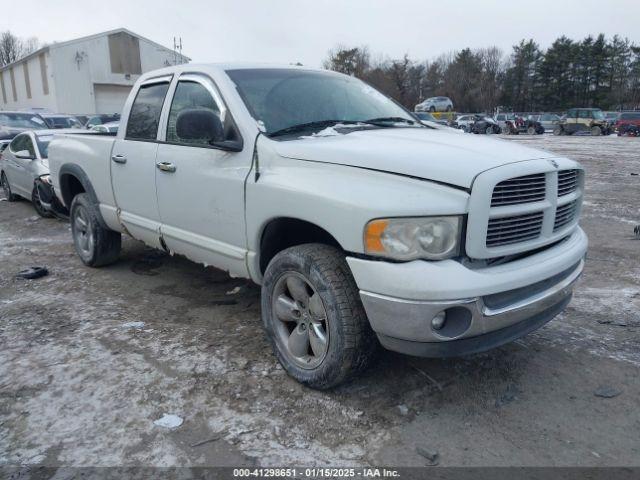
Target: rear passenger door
{"points": [[133, 163]]}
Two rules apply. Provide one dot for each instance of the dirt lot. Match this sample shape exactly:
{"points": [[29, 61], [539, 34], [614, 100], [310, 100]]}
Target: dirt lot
{"points": [[90, 358]]}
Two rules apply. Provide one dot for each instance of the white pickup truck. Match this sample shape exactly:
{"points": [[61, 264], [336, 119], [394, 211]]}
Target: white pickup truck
{"points": [[363, 226]]}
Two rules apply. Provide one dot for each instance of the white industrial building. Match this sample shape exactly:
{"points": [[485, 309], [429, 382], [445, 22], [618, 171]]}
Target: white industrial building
{"points": [[88, 75]]}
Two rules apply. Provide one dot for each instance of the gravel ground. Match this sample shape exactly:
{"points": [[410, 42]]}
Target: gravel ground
{"points": [[91, 358]]}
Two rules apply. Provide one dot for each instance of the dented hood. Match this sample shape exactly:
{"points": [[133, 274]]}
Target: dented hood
{"points": [[419, 152]]}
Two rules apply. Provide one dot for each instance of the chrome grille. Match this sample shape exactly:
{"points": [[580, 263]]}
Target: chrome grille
{"points": [[567, 182], [515, 229], [564, 215], [525, 189]]}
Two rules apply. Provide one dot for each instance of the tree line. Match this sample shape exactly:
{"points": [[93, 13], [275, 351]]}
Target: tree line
{"points": [[594, 72], [13, 48]]}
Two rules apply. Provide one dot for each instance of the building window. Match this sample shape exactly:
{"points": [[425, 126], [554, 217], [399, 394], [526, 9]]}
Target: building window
{"points": [[43, 74], [124, 53], [27, 82], [13, 84]]}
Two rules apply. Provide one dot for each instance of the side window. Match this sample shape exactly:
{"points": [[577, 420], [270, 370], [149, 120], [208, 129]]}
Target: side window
{"points": [[571, 113], [585, 114], [93, 121], [16, 144], [145, 112], [189, 96]]}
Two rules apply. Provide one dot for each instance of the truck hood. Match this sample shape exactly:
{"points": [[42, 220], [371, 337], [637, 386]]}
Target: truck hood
{"points": [[435, 155]]}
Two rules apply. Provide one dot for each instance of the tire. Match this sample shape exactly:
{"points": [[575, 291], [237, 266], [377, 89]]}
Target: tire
{"points": [[558, 131], [37, 205], [596, 131], [449, 108], [11, 197], [505, 130], [488, 130], [95, 245], [531, 130], [344, 345], [432, 109]]}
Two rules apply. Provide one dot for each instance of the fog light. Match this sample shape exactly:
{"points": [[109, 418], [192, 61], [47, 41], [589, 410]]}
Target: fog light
{"points": [[438, 321]]}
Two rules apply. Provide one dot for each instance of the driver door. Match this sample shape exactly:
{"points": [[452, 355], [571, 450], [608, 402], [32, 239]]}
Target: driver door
{"points": [[200, 187]]}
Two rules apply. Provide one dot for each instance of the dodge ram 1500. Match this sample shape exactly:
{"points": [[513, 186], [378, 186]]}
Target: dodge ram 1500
{"points": [[362, 225]]}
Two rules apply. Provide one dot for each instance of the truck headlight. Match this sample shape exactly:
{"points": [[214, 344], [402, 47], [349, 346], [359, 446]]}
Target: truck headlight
{"points": [[430, 238]]}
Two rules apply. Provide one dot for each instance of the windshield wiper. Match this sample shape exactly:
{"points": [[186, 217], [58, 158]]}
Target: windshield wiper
{"points": [[382, 120], [309, 126]]}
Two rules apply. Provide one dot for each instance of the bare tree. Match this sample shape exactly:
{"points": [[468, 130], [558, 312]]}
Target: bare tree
{"points": [[351, 61], [13, 48]]}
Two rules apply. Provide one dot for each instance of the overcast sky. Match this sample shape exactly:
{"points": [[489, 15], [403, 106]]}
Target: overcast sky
{"points": [[286, 31]]}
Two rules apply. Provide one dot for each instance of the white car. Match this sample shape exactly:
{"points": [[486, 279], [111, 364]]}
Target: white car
{"points": [[109, 127], [25, 161], [464, 122], [435, 104], [363, 226]]}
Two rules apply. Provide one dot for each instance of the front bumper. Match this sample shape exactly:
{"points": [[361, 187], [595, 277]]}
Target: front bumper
{"points": [[49, 200], [485, 308]]}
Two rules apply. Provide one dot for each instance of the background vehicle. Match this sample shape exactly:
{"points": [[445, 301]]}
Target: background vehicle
{"points": [[527, 126], [23, 162], [464, 122], [220, 164], [61, 121], [13, 123], [578, 120], [626, 120], [109, 127], [485, 125], [611, 117], [100, 119], [502, 119], [435, 104], [547, 120]]}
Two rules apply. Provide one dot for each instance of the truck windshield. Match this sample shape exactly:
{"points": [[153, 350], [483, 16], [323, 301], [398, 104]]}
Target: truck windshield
{"points": [[283, 98]]}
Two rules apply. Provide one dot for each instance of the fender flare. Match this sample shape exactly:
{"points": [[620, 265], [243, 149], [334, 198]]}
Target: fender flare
{"points": [[77, 172]]}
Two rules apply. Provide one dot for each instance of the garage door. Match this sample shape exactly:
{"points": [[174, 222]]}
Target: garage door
{"points": [[110, 98]]}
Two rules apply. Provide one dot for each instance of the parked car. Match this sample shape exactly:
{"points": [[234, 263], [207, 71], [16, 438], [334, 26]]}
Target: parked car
{"points": [[13, 123], [464, 122], [101, 119], [435, 104], [626, 121], [611, 117], [109, 127], [24, 164], [587, 120], [502, 119], [61, 121], [409, 248], [485, 125], [521, 125], [547, 120]]}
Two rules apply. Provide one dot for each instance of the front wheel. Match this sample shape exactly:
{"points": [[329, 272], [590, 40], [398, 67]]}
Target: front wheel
{"points": [[37, 204], [432, 109], [489, 130], [314, 318], [596, 131], [11, 197], [531, 130], [96, 245], [558, 131]]}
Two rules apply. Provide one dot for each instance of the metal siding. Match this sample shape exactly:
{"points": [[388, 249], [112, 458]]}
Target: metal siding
{"points": [[43, 74], [27, 83]]}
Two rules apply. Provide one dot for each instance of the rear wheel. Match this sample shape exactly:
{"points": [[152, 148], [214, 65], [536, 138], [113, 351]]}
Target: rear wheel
{"points": [[314, 318], [37, 204], [531, 130], [489, 130], [558, 131], [11, 197], [432, 109], [96, 245]]}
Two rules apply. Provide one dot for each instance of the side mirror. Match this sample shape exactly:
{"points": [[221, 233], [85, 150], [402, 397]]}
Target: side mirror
{"points": [[200, 125], [24, 155]]}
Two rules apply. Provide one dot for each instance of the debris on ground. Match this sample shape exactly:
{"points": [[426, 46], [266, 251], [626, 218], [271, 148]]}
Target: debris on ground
{"points": [[215, 438], [404, 410], [33, 272], [136, 325], [234, 290], [607, 392], [168, 420], [509, 395], [431, 456]]}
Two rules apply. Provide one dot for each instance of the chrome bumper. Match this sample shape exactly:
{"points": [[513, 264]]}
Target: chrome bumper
{"points": [[480, 323]]}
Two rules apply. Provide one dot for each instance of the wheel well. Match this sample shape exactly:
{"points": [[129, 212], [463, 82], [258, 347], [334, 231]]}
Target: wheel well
{"points": [[70, 186], [283, 233]]}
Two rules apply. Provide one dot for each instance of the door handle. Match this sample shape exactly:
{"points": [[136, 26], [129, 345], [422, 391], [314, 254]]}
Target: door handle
{"points": [[166, 167], [119, 158]]}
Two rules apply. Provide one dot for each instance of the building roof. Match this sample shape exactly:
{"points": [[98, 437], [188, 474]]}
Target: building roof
{"points": [[46, 48]]}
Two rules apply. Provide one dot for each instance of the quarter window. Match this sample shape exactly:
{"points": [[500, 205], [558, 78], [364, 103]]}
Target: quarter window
{"points": [[145, 112], [189, 96]]}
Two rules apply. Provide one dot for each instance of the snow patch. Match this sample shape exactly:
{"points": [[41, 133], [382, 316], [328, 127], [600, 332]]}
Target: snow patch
{"points": [[168, 420]]}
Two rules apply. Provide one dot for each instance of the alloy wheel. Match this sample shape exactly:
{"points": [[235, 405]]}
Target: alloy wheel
{"points": [[83, 232], [302, 325]]}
